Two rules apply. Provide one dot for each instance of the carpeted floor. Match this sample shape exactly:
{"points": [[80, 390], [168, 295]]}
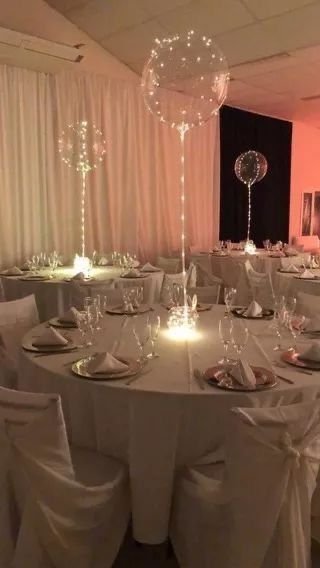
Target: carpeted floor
{"points": [[133, 555]]}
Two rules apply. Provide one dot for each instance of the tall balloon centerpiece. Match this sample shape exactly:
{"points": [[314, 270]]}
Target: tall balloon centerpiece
{"points": [[250, 168], [82, 147], [184, 83]]}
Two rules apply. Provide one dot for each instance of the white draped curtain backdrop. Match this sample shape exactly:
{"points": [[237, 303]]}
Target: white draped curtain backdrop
{"points": [[133, 199]]}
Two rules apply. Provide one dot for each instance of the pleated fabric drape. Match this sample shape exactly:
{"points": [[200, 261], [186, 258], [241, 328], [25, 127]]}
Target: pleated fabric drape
{"points": [[133, 199]]}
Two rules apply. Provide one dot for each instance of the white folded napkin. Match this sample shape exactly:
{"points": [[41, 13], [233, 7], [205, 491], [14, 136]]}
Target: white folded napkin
{"points": [[50, 336], [14, 271], [106, 363], [243, 374], [149, 268], [71, 316], [253, 310], [312, 353], [104, 261], [291, 268], [314, 264], [313, 324], [306, 274], [78, 276], [132, 273]]}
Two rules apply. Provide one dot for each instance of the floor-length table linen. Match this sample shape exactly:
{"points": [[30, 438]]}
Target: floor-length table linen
{"points": [[54, 296], [162, 421], [290, 284]]}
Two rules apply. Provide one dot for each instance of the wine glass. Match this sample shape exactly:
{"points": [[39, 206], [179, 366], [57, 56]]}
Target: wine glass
{"points": [[225, 330], [153, 324], [280, 321], [229, 297], [142, 334], [177, 294], [290, 305], [239, 336], [84, 328], [296, 325]]}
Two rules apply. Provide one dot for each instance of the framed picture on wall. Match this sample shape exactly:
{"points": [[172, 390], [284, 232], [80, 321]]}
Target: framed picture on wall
{"points": [[316, 214], [306, 214]]}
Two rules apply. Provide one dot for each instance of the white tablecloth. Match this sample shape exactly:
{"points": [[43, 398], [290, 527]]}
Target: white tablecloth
{"points": [[162, 421], [53, 296], [289, 284]]}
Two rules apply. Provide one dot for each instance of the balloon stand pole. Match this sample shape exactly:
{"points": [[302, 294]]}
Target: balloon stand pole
{"points": [[83, 203], [249, 211], [183, 128]]}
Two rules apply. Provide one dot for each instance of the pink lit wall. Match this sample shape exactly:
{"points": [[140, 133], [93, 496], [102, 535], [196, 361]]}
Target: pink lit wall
{"points": [[305, 170]]}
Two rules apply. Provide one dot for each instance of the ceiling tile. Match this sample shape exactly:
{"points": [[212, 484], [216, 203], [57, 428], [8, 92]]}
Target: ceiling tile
{"points": [[302, 80], [247, 44], [136, 42], [296, 29], [156, 7], [65, 5], [269, 8], [264, 66], [100, 18], [206, 16]]}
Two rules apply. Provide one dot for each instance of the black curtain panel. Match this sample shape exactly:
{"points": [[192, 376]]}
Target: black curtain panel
{"points": [[241, 131]]}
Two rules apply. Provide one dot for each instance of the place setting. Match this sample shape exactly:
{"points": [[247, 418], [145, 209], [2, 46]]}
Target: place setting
{"points": [[253, 311], [132, 303], [49, 341]]}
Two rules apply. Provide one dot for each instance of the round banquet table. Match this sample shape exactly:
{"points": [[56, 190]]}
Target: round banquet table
{"points": [[54, 295], [290, 284], [163, 420]]}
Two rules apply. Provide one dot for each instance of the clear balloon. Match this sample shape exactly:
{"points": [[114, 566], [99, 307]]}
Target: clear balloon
{"points": [[82, 146], [185, 80], [250, 167]]}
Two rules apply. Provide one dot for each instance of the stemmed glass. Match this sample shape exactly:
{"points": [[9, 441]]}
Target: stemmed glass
{"points": [[296, 325], [239, 336], [290, 305], [225, 330], [177, 294], [84, 328], [153, 324], [229, 297], [280, 321], [142, 335]]}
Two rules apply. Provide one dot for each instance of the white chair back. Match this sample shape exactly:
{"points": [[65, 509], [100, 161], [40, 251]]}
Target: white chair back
{"points": [[204, 278], [168, 265], [260, 284], [272, 460], [16, 318], [308, 304]]}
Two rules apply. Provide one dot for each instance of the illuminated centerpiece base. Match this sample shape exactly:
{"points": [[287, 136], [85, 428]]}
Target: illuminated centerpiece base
{"points": [[182, 322], [250, 247], [82, 264]]}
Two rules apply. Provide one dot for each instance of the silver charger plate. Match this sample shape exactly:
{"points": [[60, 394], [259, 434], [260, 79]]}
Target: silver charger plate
{"points": [[200, 307], [134, 277], [265, 315], [35, 278], [55, 322], [220, 377], [310, 278], [80, 368], [118, 310], [29, 346], [283, 271], [293, 358]]}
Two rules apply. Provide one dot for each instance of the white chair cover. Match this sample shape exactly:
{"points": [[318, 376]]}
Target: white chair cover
{"points": [[259, 515], [16, 318], [64, 522], [168, 265], [260, 284], [8, 371], [206, 294], [308, 304], [167, 286]]}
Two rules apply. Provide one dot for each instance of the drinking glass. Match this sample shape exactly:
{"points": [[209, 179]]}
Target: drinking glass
{"points": [[280, 321], [88, 301], [290, 305], [296, 325], [229, 297], [84, 329], [239, 336], [142, 334], [225, 329], [153, 324]]}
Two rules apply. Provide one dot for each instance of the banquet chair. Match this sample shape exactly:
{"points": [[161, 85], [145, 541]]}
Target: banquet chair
{"points": [[168, 264], [260, 285], [2, 293], [308, 304], [16, 318], [255, 511], [71, 505]]}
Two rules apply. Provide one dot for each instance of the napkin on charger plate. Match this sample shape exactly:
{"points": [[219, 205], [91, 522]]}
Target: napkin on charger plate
{"points": [[71, 316], [132, 273], [14, 271], [78, 276], [312, 353], [292, 268], [306, 274], [253, 310], [106, 363], [149, 268], [313, 324], [243, 374], [50, 336], [104, 261]]}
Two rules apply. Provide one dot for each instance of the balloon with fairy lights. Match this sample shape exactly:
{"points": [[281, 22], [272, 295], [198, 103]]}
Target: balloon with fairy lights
{"points": [[250, 168], [184, 83], [82, 146]]}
